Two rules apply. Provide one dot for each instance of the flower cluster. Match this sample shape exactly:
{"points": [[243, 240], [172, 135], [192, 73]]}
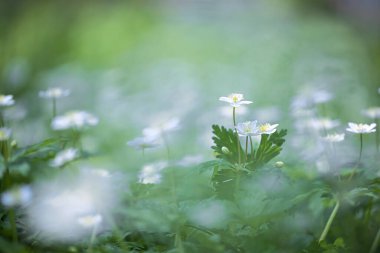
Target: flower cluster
{"points": [[74, 120]]}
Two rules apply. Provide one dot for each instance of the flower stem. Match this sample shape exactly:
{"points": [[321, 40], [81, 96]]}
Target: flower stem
{"points": [[178, 242], [252, 154], [166, 144], [246, 149], [237, 134], [329, 222], [375, 242], [92, 240], [360, 157], [54, 101], [12, 218], [377, 136]]}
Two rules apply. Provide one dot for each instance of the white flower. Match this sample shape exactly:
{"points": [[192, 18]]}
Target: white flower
{"points": [[372, 112], [322, 123], [74, 119], [162, 127], [90, 221], [17, 196], [248, 128], [64, 157], [54, 93], [361, 128], [151, 173], [267, 128], [6, 100], [143, 142], [334, 137], [235, 100], [5, 133]]}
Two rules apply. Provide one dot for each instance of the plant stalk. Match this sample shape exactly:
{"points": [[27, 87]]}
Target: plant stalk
{"points": [[237, 134], [375, 243], [329, 222]]}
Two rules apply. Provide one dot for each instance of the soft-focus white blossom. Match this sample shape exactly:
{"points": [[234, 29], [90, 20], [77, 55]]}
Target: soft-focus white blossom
{"points": [[372, 112], [64, 157], [74, 119], [248, 128], [144, 142], [334, 137], [190, 160], [267, 128], [361, 128], [6, 100], [235, 100], [5, 133], [322, 123], [159, 128], [17, 196], [151, 173], [54, 93], [90, 221]]}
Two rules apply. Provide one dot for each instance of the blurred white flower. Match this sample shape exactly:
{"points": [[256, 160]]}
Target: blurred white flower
{"points": [[310, 97], [321, 96], [372, 112], [64, 157], [74, 119], [210, 214], [162, 127], [248, 128], [267, 128], [144, 142], [60, 202], [151, 173], [334, 137], [90, 221], [6, 100], [17, 196], [322, 123], [54, 93], [361, 128], [235, 100], [5, 133]]}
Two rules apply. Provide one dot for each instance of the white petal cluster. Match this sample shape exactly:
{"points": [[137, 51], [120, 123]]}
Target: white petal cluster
{"points": [[162, 127], [90, 221], [361, 128], [143, 142], [74, 120], [267, 128], [17, 196], [54, 93], [235, 100], [64, 157], [372, 112], [5, 133], [6, 100], [334, 137], [151, 173], [322, 123]]}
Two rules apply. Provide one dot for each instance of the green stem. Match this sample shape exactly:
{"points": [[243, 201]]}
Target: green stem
{"points": [[329, 222], [12, 218], [178, 242], [360, 157], [92, 240], [252, 153], [246, 149], [166, 144], [237, 134], [375, 242], [377, 136], [54, 107]]}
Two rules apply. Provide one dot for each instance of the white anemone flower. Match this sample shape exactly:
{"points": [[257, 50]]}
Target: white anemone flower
{"points": [[361, 128], [372, 112], [334, 137], [143, 142], [248, 128], [54, 93], [235, 100], [90, 221], [5, 133], [64, 157], [6, 100], [162, 127], [17, 196], [323, 123], [151, 173], [267, 128], [74, 119]]}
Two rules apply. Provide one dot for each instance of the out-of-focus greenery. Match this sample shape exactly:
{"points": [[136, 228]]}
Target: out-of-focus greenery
{"points": [[135, 63]]}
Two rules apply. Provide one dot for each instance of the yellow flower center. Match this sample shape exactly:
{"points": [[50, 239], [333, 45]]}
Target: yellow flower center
{"points": [[3, 135], [235, 98], [264, 127]]}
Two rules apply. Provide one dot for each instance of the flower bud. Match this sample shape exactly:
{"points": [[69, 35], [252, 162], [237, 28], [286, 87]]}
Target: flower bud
{"points": [[226, 151], [279, 164]]}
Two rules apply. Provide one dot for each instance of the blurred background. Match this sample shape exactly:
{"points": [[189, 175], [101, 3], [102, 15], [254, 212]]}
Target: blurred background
{"points": [[135, 63]]}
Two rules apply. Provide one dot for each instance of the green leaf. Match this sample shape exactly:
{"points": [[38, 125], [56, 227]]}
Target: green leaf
{"points": [[226, 140]]}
